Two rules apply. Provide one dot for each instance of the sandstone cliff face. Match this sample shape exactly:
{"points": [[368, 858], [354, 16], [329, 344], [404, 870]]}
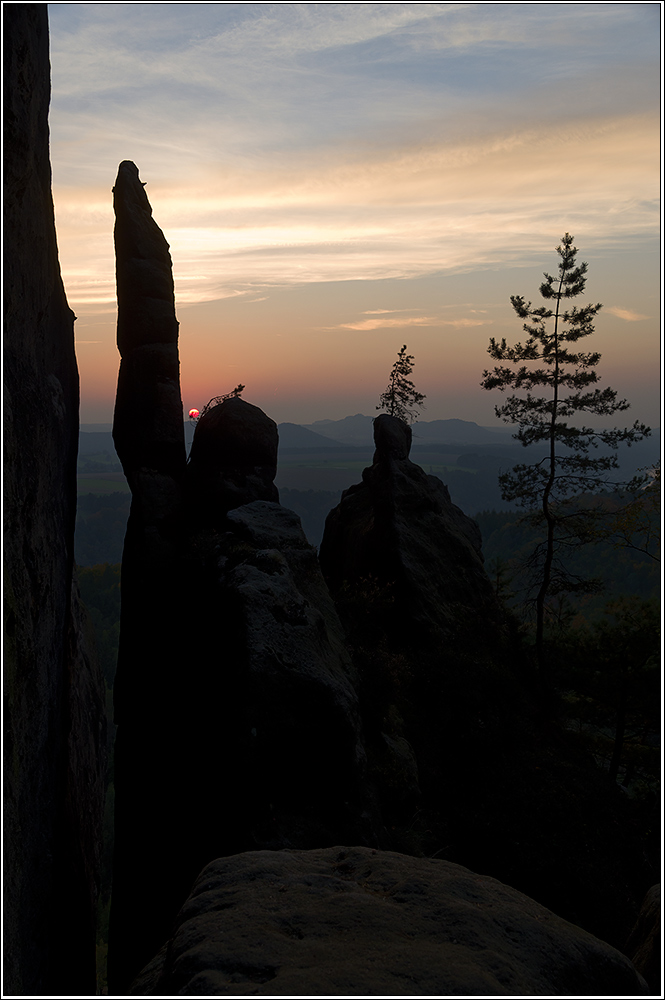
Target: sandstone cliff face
{"points": [[54, 715], [358, 922], [302, 780], [238, 722]]}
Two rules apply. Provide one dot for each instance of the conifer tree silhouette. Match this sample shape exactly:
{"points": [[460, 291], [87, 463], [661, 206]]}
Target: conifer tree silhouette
{"points": [[560, 491], [401, 398]]}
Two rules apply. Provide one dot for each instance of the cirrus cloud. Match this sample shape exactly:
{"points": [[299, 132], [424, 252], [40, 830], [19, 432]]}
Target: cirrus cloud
{"points": [[628, 314]]}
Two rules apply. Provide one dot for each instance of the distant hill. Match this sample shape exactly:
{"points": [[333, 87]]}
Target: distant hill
{"points": [[357, 430], [92, 442], [297, 436], [290, 436], [457, 432]]}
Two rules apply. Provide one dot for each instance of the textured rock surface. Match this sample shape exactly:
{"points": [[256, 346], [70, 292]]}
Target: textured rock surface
{"points": [[54, 705], [644, 944], [357, 922], [305, 762], [400, 526]]}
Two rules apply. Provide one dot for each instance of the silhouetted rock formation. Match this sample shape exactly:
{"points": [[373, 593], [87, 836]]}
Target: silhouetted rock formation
{"points": [[54, 700], [299, 774], [148, 429], [238, 723], [400, 527], [302, 762], [405, 567], [456, 745], [148, 432], [233, 460], [352, 921]]}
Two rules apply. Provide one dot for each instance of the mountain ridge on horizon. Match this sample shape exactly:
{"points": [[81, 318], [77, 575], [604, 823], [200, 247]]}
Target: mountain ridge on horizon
{"points": [[356, 429]]}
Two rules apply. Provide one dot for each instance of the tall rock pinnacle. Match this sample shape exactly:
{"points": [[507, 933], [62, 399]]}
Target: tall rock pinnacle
{"points": [[148, 427], [148, 432]]}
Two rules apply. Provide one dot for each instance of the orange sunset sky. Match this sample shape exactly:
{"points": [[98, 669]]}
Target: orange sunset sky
{"points": [[336, 180]]}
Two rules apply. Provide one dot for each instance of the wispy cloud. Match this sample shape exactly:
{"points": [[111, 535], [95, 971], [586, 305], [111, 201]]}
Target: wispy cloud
{"points": [[376, 312], [466, 322], [402, 321], [290, 143], [401, 214], [627, 314], [378, 324], [289, 146]]}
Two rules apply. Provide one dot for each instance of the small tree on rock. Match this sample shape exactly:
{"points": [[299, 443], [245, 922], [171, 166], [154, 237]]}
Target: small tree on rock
{"points": [[401, 398], [558, 489]]}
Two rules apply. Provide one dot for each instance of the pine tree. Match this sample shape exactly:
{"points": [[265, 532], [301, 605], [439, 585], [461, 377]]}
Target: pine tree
{"points": [[558, 489], [401, 397]]}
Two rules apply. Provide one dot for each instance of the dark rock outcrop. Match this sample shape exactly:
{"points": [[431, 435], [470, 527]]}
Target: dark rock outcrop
{"points": [[54, 694], [405, 567], [233, 460], [153, 734], [358, 922], [238, 722], [302, 763], [400, 527], [463, 762], [148, 433]]}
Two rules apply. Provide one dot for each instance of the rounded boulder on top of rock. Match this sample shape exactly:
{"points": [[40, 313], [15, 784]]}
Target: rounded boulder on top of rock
{"points": [[233, 459], [392, 438], [236, 434]]}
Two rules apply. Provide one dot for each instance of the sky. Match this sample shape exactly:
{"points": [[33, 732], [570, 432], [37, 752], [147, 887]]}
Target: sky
{"points": [[336, 180]]}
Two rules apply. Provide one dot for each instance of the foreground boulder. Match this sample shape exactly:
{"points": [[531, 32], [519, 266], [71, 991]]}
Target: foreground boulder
{"points": [[358, 922], [644, 943]]}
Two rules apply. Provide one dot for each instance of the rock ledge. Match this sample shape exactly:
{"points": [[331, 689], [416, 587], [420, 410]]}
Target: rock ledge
{"points": [[353, 921]]}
